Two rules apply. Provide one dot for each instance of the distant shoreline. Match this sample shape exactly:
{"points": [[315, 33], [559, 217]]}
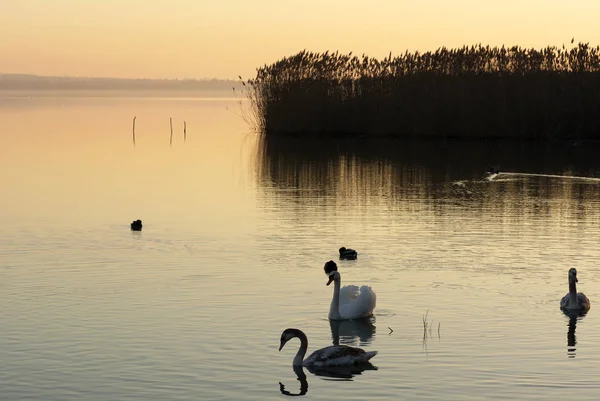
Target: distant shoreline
{"points": [[17, 82]]}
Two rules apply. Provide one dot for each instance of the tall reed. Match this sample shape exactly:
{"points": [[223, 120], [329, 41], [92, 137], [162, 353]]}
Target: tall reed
{"points": [[472, 92]]}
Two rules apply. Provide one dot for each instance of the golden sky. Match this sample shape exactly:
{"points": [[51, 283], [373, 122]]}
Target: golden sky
{"points": [[227, 38]]}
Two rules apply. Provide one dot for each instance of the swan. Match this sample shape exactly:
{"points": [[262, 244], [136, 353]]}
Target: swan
{"points": [[574, 301], [136, 225], [351, 302], [334, 355], [347, 253]]}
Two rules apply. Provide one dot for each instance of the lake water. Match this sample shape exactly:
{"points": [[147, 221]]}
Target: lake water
{"points": [[236, 233]]}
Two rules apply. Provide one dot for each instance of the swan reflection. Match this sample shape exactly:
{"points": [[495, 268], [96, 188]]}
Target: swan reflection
{"points": [[342, 372], [352, 332], [301, 377], [332, 372], [571, 337]]}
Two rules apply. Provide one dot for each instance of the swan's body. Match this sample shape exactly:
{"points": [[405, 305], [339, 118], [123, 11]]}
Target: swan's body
{"points": [[334, 355], [136, 225], [574, 301], [347, 253], [350, 302]]}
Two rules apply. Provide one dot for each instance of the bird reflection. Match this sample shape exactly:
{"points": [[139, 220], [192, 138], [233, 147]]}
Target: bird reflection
{"points": [[345, 373], [573, 316], [342, 372], [303, 383], [571, 339], [347, 332]]}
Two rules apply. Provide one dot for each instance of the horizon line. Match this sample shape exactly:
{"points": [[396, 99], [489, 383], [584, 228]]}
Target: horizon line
{"points": [[115, 78]]}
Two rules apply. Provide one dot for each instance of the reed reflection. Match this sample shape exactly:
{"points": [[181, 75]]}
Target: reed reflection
{"points": [[299, 170], [357, 332]]}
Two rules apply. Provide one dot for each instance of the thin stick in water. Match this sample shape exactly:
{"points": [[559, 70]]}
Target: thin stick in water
{"points": [[134, 117], [184, 131], [171, 123]]}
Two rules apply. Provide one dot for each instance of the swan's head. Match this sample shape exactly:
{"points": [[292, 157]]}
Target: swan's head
{"points": [[286, 336], [573, 275], [333, 276], [342, 250], [330, 267]]}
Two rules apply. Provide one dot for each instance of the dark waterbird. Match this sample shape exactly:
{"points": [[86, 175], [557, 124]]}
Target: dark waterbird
{"points": [[329, 267], [348, 253], [136, 225], [574, 303], [332, 356]]}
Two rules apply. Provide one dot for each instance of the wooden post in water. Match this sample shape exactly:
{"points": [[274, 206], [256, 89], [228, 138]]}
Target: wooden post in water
{"points": [[171, 123], [184, 131], [134, 130]]}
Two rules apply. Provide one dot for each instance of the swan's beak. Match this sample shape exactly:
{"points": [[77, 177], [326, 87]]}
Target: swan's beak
{"points": [[282, 344], [330, 279]]}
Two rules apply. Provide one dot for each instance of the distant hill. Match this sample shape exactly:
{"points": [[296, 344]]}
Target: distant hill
{"points": [[37, 82]]}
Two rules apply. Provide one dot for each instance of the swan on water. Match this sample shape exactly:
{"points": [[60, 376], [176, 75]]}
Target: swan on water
{"points": [[334, 355], [350, 302], [574, 301]]}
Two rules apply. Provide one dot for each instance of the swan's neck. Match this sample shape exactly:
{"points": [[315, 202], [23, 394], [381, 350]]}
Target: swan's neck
{"points": [[302, 350], [334, 309], [572, 293]]}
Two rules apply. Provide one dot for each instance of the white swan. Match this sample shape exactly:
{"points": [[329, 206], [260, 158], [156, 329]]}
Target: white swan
{"points": [[334, 355], [574, 301], [351, 302]]}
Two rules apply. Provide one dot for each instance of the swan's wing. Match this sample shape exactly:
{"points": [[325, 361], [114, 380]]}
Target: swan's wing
{"points": [[342, 372], [583, 300], [360, 306], [583, 303], [338, 355], [564, 302], [348, 293]]}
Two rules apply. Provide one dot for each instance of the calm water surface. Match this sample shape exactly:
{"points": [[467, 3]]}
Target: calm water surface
{"points": [[236, 232]]}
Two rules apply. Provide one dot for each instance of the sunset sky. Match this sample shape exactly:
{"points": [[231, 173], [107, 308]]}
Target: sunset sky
{"points": [[227, 38]]}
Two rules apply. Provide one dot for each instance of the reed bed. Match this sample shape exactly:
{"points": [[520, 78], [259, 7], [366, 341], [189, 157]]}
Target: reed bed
{"points": [[470, 92]]}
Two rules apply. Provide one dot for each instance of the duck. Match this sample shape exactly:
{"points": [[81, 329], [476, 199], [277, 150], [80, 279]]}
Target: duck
{"points": [[136, 225], [350, 302], [333, 355], [574, 302], [347, 253]]}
